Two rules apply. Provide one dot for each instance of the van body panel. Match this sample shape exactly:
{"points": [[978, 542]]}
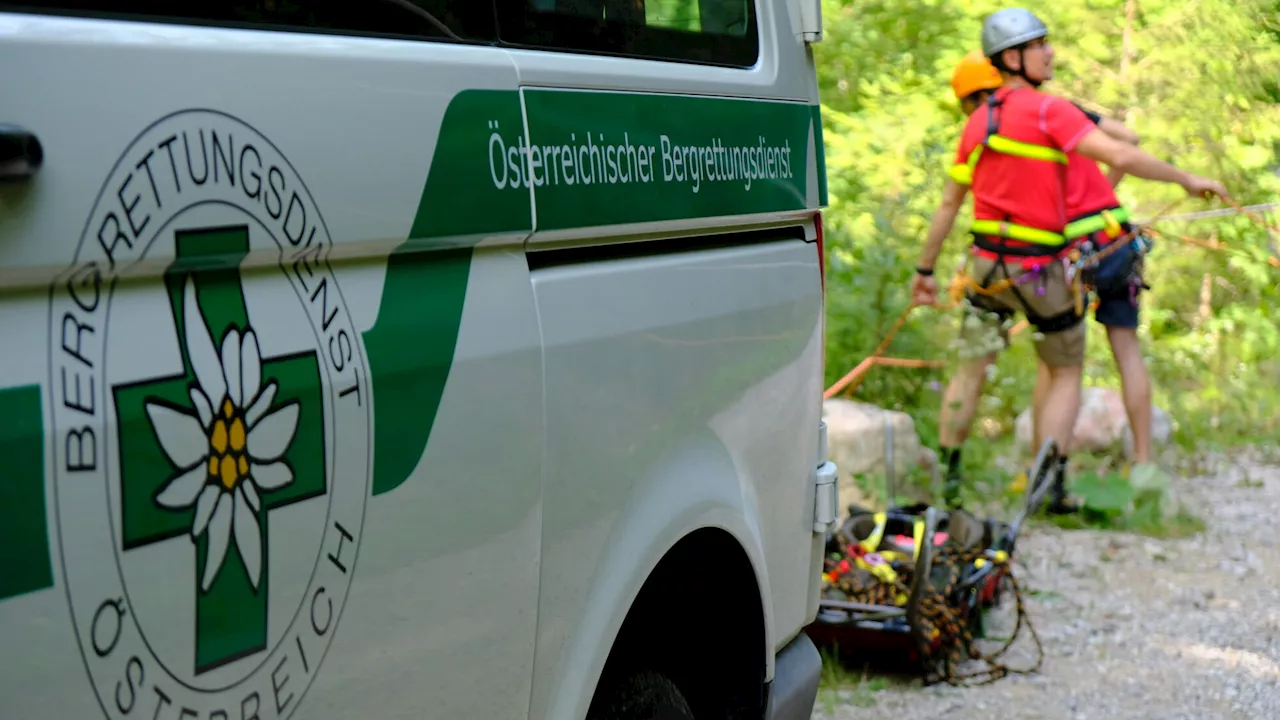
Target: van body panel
{"points": [[360, 372]]}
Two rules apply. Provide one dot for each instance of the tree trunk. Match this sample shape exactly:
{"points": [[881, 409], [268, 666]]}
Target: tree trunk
{"points": [[1126, 58], [1206, 300]]}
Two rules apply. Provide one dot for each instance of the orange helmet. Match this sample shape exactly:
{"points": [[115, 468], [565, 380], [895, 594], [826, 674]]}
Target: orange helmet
{"points": [[974, 73]]}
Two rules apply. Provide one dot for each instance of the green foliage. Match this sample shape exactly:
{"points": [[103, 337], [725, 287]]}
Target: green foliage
{"points": [[1111, 503], [1108, 494], [1200, 82], [839, 686]]}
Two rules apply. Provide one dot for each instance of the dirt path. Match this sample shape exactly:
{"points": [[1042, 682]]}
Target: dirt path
{"points": [[1133, 627]]}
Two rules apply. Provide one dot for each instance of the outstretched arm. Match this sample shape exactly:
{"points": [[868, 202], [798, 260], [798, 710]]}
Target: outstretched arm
{"points": [[1124, 134], [1128, 159], [1115, 129], [1118, 130]]}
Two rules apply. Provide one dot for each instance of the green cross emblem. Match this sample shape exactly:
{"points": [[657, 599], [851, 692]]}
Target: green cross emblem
{"points": [[207, 454]]}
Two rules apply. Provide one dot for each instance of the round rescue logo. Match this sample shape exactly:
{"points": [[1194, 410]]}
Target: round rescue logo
{"points": [[211, 414]]}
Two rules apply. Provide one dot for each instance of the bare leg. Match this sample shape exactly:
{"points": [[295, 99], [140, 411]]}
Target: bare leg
{"points": [[1038, 397], [960, 402], [1136, 384], [1057, 421], [959, 405], [1061, 404]]}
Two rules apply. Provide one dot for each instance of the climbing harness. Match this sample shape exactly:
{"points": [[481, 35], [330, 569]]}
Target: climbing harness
{"points": [[1110, 220], [1117, 272], [962, 283], [1050, 243]]}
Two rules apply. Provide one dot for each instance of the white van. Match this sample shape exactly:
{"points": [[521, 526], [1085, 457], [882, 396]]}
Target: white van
{"points": [[410, 358]]}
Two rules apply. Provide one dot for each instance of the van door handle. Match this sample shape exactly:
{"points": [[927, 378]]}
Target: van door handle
{"points": [[20, 153]]}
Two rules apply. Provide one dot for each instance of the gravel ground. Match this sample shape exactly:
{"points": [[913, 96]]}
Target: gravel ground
{"points": [[1132, 627]]}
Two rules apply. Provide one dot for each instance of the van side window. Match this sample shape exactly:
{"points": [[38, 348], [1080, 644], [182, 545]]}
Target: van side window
{"points": [[468, 20], [716, 32]]}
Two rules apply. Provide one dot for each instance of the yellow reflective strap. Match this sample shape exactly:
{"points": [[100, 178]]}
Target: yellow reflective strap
{"points": [[1084, 226], [963, 174], [884, 573], [873, 540], [974, 154], [1094, 223], [1113, 224], [917, 533], [1002, 144], [1017, 232]]}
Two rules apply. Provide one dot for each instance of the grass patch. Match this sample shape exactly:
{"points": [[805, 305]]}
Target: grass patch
{"points": [[839, 686], [1111, 503], [1182, 524]]}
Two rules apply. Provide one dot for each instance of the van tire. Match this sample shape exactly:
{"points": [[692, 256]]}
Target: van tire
{"points": [[644, 695]]}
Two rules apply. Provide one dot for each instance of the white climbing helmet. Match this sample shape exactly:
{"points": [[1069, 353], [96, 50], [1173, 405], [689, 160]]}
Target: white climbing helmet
{"points": [[1009, 28]]}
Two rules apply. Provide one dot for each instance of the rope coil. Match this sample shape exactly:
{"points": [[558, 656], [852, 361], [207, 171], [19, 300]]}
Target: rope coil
{"points": [[943, 625]]}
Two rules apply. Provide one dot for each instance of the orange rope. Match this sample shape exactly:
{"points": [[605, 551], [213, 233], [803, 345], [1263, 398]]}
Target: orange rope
{"points": [[1251, 215], [854, 376], [909, 362], [1210, 245], [1216, 245]]}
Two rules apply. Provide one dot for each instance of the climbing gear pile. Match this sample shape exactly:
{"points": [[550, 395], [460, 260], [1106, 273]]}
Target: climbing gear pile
{"points": [[919, 579], [874, 562]]}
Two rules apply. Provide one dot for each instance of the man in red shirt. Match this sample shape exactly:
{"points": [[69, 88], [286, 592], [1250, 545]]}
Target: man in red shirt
{"points": [[1014, 154]]}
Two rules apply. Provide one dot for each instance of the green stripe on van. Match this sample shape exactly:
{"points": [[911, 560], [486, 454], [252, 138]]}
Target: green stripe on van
{"points": [[25, 549], [606, 158], [598, 158], [410, 347], [820, 150]]}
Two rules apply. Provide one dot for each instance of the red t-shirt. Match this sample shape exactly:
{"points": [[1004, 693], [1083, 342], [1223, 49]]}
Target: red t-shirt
{"points": [[1088, 190], [1020, 190]]}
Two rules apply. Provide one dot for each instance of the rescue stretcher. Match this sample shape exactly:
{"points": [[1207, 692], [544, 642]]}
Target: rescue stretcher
{"points": [[941, 570]]}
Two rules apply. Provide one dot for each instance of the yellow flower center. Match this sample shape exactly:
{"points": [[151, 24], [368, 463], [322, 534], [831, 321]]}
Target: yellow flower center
{"points": [[228, 461]]}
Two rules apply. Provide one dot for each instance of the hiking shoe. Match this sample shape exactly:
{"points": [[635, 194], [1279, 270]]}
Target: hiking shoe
{"points": [[1059, 503], [1062, 506], [951, 493]]}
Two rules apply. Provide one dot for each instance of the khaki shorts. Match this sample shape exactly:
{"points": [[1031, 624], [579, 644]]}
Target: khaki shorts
{"points": [[988, 315]]}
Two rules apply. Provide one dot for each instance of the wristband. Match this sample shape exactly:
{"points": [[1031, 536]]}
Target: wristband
{"points": [[924, 271]]}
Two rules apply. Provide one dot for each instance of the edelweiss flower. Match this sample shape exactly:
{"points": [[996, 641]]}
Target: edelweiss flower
{"points": [[229, 449]]}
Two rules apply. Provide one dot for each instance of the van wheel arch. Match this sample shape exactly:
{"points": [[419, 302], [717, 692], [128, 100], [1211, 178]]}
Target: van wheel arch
{"points": [[698, 621]]}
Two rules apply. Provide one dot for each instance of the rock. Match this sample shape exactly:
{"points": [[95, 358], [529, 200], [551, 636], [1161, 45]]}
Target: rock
{"points": [[856, 443], [1102, 424], [928, 458]]}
